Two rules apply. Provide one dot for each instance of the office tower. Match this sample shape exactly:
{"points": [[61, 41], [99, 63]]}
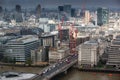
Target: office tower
{"points": [[102, 16], [18, 14], [87, 17], [95, 15], [18, 17], [60, 8], [67, 9], [82, 13], [78, 11], [38, 11], [1, 9], [18, 8], [73, 12]]}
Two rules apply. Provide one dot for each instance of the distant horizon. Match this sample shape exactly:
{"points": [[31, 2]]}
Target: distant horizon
{"points": [[26, 4]]}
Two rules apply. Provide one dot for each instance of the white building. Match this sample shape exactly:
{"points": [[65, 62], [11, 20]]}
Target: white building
{"points": [[43, 24], [16, 76], [88, 54]]}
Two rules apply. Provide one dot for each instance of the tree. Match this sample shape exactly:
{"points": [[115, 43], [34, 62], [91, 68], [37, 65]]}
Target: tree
{"points": [[28, 61], [5, 59], [14, 60]]}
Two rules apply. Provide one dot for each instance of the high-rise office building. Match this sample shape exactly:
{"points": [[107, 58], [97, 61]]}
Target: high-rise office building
{"points": [[38, 11], [82, 13], [60, 8], [18, 17], [18, 14], [18, 8], [67, 9], [102, 16], [1, 9], [73, 12], [87, 17]]}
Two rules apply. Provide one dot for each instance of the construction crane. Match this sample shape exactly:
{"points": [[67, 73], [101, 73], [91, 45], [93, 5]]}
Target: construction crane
{"points": [[60, 32], [60, 29], [72, 36]]}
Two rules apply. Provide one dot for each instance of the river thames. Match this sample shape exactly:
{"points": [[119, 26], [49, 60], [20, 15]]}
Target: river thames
{"points": [[72, 74], [75, 74]]}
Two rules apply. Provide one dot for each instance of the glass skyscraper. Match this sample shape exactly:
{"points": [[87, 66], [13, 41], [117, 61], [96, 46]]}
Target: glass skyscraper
{"points": [[102, 16]]}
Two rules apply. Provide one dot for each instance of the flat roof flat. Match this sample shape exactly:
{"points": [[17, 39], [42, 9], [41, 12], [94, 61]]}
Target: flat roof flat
{"points": [[21, 76]]}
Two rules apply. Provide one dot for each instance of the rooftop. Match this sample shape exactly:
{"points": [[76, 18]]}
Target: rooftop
{"points": [[16, 76], [48, 34], [91, 42], [25, 39]]}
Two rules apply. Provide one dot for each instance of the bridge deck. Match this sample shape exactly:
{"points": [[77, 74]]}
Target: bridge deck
{"points": [[56, 68]]}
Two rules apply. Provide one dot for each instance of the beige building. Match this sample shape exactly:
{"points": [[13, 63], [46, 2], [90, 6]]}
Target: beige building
{"points": [[58, 54], [87, 17], [102, 47], [36, 55], [88, 54]]}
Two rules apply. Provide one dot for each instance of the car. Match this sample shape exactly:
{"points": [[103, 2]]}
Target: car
{"points": [[68, 61], [49, 68], [61, 62], [43, 72], [53, 66]]}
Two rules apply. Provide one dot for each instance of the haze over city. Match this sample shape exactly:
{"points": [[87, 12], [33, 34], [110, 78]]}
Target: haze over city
{"points": [[54, 3], [59, 39]]}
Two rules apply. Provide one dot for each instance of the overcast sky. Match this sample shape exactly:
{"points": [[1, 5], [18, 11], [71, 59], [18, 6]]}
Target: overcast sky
{"points": [[55, 3]]}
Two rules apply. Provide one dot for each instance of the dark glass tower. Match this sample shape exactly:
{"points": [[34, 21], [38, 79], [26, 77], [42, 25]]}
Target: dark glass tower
{"points": [[67, 9], [38, 10], [18, 8], [60, 8], [102, 16]]}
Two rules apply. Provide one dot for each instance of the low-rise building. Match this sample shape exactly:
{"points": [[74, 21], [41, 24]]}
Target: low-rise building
{"points": [[20, 48], [36, 55], [102, 46], [58, 54], [40, 55], [48, 39], [16, 76]]}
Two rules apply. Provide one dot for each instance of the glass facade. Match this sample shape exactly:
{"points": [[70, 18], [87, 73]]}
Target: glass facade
{"points": [[102, 16]]}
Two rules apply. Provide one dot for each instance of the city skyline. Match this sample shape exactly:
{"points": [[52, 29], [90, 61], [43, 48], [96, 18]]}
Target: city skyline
{"points": [[10, 4]]}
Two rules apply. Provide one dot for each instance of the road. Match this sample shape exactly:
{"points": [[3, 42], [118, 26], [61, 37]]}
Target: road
{"points": [[55, 67]]}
